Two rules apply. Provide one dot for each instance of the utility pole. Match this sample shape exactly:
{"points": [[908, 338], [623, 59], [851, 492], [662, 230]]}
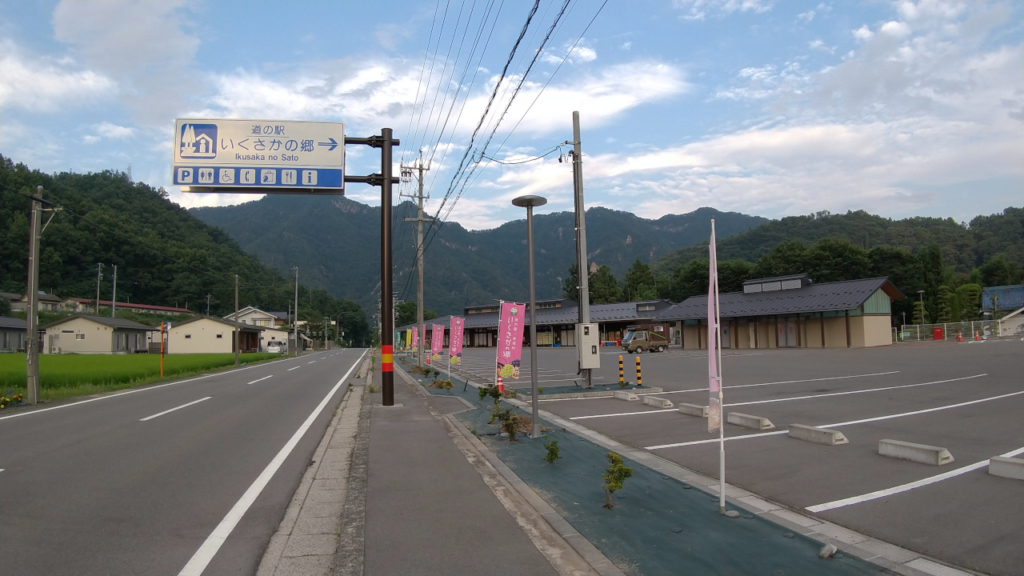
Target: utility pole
{"points": [[113, 296], [582, 268], [207, 304], [32, 346], [99, 276], [295, 325], [417, 171], [236, 320]]}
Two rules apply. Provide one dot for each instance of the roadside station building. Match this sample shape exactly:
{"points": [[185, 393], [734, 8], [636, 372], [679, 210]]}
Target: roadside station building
{"points": [[211, 335], [556, 322], [87, 334], [791, 312]]}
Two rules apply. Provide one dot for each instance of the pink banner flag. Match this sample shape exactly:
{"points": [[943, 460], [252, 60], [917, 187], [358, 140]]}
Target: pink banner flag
{"points": [[510, 340], [415, 333], [714, 382], [455, 341], [436, 342], [423, 337]]}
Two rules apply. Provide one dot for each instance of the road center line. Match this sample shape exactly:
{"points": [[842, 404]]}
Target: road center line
{"points": [[908, 486], [173, 409], [840, 424], [201, 559], [261, 379], [311, 362], [295, 368]]}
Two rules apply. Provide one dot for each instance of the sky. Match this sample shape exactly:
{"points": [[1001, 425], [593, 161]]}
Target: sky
{"points": [[769, 108]]}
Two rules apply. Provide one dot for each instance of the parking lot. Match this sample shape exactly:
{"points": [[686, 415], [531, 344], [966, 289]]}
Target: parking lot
{"points": [[966, 397]]}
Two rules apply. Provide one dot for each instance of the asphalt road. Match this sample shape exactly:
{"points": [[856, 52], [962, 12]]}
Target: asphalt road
{"points": [[136, 483], [967, 397]]}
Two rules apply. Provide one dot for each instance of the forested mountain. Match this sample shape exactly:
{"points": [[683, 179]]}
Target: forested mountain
{"points": [[963, 246], [164, 255], [335, 242]]}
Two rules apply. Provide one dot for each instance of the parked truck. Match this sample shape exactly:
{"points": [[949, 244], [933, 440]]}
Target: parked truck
{"points": [[651, 337]]}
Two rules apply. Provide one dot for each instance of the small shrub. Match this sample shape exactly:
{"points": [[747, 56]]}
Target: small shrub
{"points": [[623, 384], [372, 388], [510, 426], [614, 477], [524, 423], [489, 390], [540, 389], [473, 431], [441, 384], [509, 393], [552, 447]]}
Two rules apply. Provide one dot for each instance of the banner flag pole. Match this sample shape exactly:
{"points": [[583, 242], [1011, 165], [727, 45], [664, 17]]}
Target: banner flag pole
{"points": [[716, 399]]}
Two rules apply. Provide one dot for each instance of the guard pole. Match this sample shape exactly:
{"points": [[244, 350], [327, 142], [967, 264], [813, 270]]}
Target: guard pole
{"points": [[161, 349], [387, 368], [621, 379], [639, 376]]}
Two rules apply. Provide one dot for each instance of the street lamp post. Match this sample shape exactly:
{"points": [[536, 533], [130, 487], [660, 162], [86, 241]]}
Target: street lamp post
{"points": [[529, 202]]}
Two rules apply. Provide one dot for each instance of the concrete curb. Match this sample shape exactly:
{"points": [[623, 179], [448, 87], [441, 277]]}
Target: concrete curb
{"points": [[899, 560], [921, 453], [817, 435]]}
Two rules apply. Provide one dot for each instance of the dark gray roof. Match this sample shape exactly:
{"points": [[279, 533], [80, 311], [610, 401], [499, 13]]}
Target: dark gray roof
{"points": [[826, 297], [13, 323], [116, 323], [241, 326], [621, 312]]}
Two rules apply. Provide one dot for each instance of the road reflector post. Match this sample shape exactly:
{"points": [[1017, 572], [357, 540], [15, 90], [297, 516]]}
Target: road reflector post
{"points": [[621, 379], [639, 376]]}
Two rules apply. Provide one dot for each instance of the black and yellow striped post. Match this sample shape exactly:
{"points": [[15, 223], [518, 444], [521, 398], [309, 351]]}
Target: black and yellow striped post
{"points": [[639, 377], [621, 379]]}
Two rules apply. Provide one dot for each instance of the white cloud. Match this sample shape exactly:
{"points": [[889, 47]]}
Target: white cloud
{"points": [[806, 17], [863, 33], [626, 45], [766, 82], [46, 85], [699, 9], [581, 53], [819, 45], [113, 131], [895, 29]]}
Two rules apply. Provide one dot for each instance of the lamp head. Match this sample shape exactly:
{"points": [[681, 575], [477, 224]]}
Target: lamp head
{"points": [[529, 200]]}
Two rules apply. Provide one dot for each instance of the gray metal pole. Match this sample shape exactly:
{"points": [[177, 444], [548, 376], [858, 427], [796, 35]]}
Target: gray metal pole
{"points": [[32, 346], [113, 297], [99, 276], [296, 322], [235, 333], [582, 268], [533, 327]]}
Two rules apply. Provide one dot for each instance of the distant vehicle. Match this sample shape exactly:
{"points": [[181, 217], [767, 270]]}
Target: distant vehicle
{"points": [[651, 337], [276, 347]]}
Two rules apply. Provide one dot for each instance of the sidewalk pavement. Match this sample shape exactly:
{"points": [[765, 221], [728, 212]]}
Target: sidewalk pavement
{"points": [[401, 490]]}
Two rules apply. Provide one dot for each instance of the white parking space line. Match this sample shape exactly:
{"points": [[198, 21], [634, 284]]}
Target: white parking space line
{"points": [[261, 379], [908, 486], [173, 409], [857, 391], [201, 559], [295, 368], [840, 424], [773, 400], [759, 384]]}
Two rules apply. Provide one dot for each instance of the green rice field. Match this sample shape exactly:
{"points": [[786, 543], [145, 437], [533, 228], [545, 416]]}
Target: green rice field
{"points": [[68, 375]]}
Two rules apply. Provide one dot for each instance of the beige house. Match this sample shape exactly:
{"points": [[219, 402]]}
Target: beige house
{"points": [[44, 302], [211, 335], [86, 334], [272, 334], [792, 312], [256, 317]]}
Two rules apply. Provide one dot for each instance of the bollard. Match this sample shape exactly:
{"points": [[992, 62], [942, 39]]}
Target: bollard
{"points": [[639, 378], [621, 379]]}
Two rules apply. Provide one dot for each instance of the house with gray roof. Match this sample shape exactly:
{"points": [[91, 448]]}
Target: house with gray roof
{"points": [[12, 334], [791, 312], [88, 334]]}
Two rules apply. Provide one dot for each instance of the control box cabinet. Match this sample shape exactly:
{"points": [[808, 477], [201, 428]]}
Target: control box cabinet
{"points": [[588, 345]]}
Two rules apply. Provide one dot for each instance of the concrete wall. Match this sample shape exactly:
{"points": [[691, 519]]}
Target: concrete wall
{"points": [[877, 330], [835, 332], [79, 336], [690, 336], [203, 336]]}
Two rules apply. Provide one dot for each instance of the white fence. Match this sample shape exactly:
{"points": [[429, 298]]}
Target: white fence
{"points": [[983, 329]]}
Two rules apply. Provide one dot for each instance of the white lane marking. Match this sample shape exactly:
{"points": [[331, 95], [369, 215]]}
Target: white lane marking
{"points": [[785, 399], [295, 368], [311, 362], [908, 486], [173, 409], [576, 379], [856, 391], [261, 379], [201, 559], [840, 424], [705, 389], [146, 389]]}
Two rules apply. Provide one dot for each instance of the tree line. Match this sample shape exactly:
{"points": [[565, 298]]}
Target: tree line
{"points": [[948, 295]]}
